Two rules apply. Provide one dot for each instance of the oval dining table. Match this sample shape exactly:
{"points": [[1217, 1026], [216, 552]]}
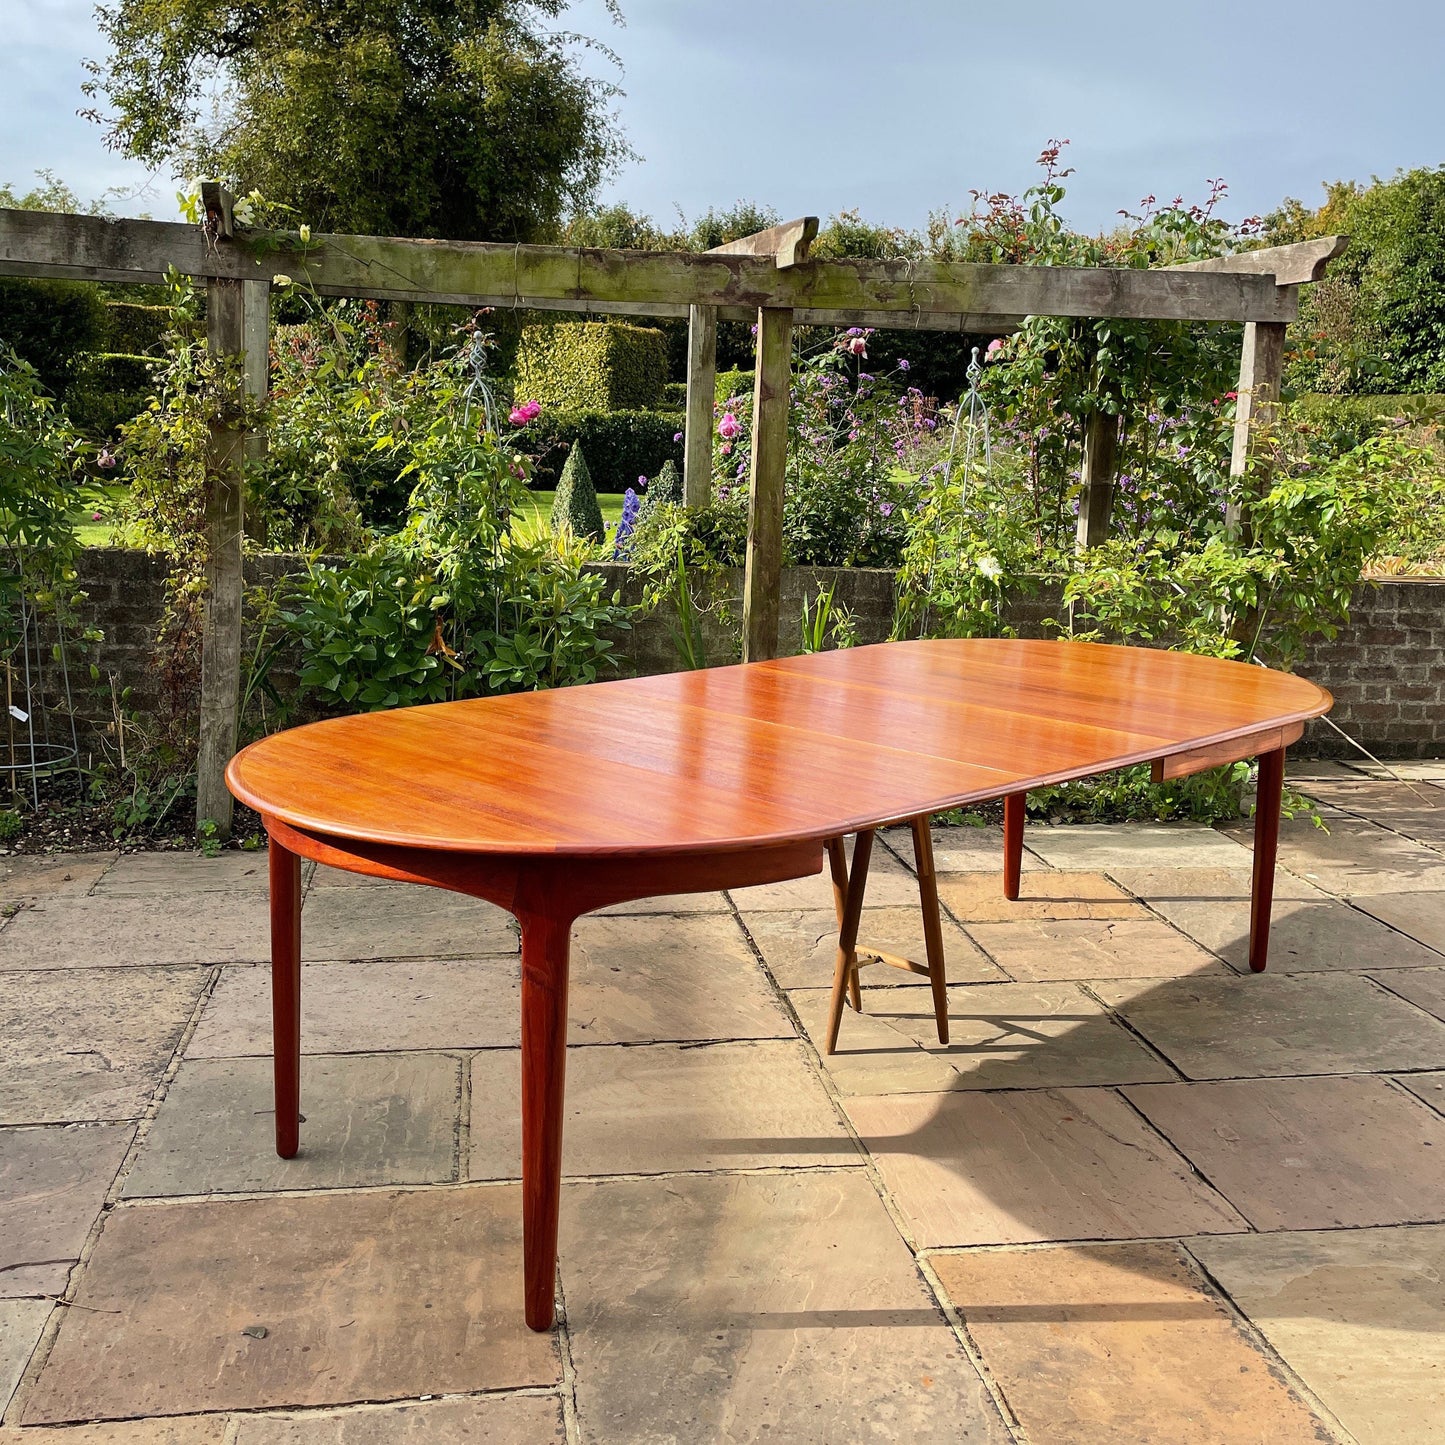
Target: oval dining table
{"points": [[554, 804]]}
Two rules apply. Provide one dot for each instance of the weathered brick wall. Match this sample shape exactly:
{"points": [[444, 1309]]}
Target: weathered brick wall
{"points": [[1386, 669]]}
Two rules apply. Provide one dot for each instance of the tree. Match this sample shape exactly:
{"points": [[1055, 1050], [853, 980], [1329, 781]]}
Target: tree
{"points": [[467, 119], [1376, 323]]}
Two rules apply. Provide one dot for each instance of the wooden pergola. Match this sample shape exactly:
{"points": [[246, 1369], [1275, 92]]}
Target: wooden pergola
{"points": [[768, 279]]}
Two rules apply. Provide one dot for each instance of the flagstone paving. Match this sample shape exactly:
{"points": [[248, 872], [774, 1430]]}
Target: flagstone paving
{"points": [[1137, 1197]]}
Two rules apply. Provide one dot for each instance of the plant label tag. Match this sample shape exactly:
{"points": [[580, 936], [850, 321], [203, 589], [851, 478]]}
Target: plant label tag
{"points": [[19, 714]]}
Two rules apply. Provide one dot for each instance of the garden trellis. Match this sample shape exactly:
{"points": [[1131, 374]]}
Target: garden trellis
{"points": [[767, 279]]}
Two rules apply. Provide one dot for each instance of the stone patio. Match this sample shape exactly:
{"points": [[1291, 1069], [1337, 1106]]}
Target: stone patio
{"points": [[1139, 1197]]}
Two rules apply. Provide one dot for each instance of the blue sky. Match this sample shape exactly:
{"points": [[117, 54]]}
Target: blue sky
{"points": [[897, 107]]}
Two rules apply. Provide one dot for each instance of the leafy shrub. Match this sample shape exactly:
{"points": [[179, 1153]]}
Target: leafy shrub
{"points": [[734, 383], [664, 489], [52, 325], [592, 365], [575, 511], [1343, 422], [620, 445], [674, 395]]}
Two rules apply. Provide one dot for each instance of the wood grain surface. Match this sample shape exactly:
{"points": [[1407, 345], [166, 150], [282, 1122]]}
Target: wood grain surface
{"points": [[802, 748]]}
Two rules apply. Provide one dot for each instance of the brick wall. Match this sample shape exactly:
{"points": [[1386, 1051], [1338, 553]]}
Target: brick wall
{"points": [[1386, 669]]}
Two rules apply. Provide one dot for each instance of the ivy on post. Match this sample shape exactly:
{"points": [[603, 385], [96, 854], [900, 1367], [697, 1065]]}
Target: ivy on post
{"points": [[225, 521], [1261, 370], [762, 581], [701, 384]]}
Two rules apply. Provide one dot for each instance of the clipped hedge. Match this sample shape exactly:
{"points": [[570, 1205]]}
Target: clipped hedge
{"points": [[620, 446], [592, 365], [734, 383]]}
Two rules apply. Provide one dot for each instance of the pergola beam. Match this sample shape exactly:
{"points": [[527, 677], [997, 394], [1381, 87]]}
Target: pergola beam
{"points": [[1293, 265], [924, 294]]}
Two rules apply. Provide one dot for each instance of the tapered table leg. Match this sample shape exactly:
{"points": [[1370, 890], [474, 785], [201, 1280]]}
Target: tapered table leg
{"points": [[1013, 843], [285, 870], [932, 923], [838, 865], [1266, 847], [545, 942], [845, 970]]}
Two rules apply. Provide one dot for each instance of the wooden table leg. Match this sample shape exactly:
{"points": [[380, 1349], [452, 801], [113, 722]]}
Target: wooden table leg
{"points": [[285, 870], [1013, 843], [545, 944], [1268, 794], [932, 924], [838, 865], [846, 968]]}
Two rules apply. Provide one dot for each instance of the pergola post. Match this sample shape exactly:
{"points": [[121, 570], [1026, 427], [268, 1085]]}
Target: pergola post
{"points": [[1261, 370], [762, 583], [225, 520], [701, 389], [256, 376], [1096, 501]]}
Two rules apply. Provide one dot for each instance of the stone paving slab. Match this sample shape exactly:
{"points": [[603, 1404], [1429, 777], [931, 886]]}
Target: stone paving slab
{"points": [[364, 1295], [1015, 1168], [499, 1420], [149, 874], [370, 1119], [21, 1322], [1420, 914], [1355, 856], [1304, 937], [1103, 1344], [890, 885], [26, 878], [1412, 808], [978, 898], [89, 1044], [1275, 1024], [670, 903], [801, 946], [666, 1107], [959, 849], [205, 928], [1084, 948], [778, 1307], [365, 923], [371, 1007], [185, 1430], [1425, 769], [1160, 887], [1307, 1153], [654, 979], [1423, 987], [1103, 847], [52, 1184], [1001, 1036], [1429, 1087], [1359, 1315]]}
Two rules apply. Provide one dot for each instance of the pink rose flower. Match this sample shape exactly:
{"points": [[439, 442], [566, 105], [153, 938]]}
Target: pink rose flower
{"points": [[528, 411], [728, 427]]}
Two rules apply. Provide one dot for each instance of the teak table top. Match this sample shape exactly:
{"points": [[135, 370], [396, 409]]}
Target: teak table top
{"points": [[736, 757]]}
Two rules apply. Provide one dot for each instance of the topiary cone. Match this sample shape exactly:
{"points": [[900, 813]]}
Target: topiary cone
{"points": [[666, 486], [575, 508]]}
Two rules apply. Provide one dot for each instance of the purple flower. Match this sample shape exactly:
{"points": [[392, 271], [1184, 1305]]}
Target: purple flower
{"points": [[886, 508], [625, 526], [902, 365], [105, 459], [677, 436]]}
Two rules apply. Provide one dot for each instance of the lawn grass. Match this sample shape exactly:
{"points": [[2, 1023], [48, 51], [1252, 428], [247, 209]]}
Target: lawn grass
{"points": [[96, 521]]}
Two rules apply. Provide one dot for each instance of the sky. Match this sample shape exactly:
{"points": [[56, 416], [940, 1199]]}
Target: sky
{"points": [[896, 108]]}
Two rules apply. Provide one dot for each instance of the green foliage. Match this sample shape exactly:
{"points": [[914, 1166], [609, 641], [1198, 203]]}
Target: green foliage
{"points": [[621, 446], [1343, 422], [665, 489], [1376, 323], [109, 389], [733, 383], [470, 119], [575, 512], [825, 620], [52, 325], [592, 366]]}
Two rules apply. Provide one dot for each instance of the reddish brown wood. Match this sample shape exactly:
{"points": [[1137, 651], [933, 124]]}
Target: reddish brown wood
{"points": [[285, 873], [1014, 811], [1196, 760], [932, 923], [838, 866], [845, 970], [1268, 795], [546, 804], [546, 937]]}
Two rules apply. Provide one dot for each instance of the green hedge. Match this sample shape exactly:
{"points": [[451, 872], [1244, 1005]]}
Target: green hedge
{"points": [[592, 366], [109, 389], [1349, 420], [620, 446], [734, 383]]}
